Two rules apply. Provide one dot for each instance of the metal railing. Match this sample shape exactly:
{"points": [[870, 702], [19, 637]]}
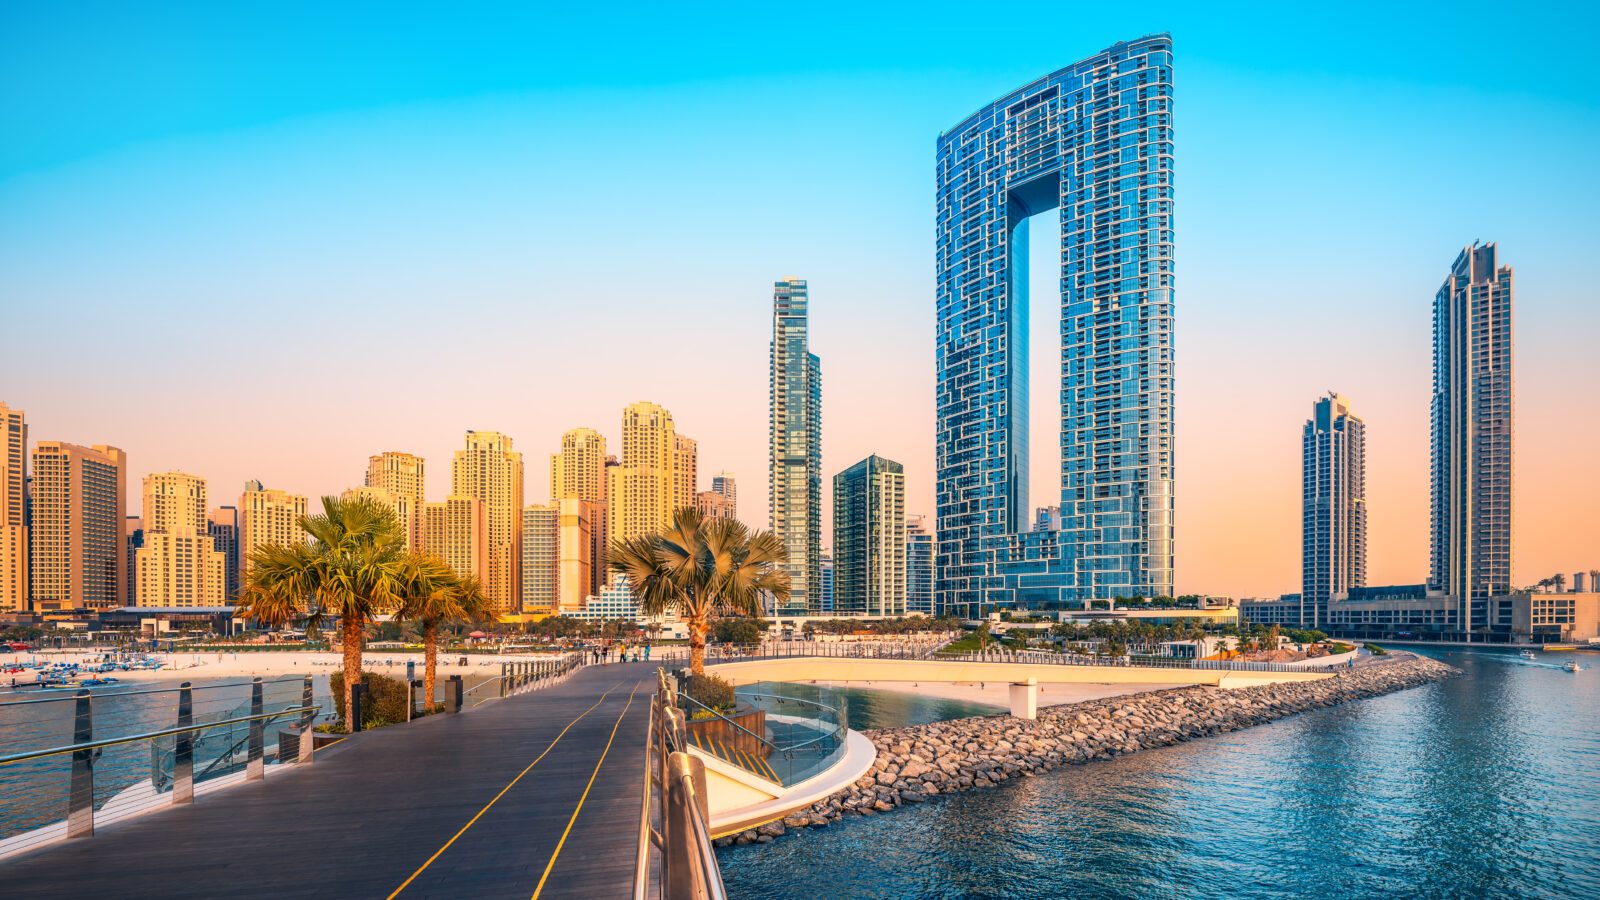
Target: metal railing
{"points": [[1152, 662], [802, 737], [193, 734], [522, 676], [911, 650], [676, 859]]}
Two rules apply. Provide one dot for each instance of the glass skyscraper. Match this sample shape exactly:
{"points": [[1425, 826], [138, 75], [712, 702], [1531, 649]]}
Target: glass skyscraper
{"points": [[1333, 507], [1470, 475], [795, 430], [919, 567], [1094, 141], [869, 539]]}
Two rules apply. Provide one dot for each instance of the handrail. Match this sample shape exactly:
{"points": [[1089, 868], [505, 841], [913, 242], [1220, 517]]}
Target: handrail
{"points": [[687, 855], [794, 699], [729, 721], [203, 687], [641, 866], [151, 735]]}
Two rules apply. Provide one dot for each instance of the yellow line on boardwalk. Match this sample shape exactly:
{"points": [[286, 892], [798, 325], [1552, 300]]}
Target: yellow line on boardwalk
{"points": [[470, 822], [579, 808]]}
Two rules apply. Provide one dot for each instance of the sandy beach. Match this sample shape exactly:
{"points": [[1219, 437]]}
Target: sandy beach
{"points": [[997, 693]]}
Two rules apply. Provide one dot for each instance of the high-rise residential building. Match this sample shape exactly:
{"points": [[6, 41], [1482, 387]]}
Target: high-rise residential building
{"points": [[869, 539], [825, 566], [133, 539], [268, 516], [795, 431], [13, 509], [640, 489], [723, 483], [456, 531], [575, 563], [404, 477], [1095, 141], [491, 471], [579, 471], [712, 505], [396, 503], [178, 563], [1471, 460], [1333, 507], [75, 537], [540, 558], [225, 538], [685, 471], [919, 566]]}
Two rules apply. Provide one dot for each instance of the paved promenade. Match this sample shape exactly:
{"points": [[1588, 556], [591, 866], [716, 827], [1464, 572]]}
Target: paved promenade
{"points": [[531, 796]]}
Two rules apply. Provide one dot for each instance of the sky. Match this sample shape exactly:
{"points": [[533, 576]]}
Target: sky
{"points": [[270, 242]]}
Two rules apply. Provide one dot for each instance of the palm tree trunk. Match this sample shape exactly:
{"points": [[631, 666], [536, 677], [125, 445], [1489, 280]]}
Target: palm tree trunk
{"points": [[697, 645], [352, 664], [430, 662]]}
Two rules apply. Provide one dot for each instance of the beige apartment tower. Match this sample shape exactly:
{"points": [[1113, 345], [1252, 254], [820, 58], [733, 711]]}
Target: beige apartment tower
{"points": [[456, 531], [401, 506], [489, 470], [641, 489], [579, 471], [712, 505], [267, 516], [178, 565], [540, 555], [575, 545], [75, 540], [13, 506], [685, 472], [403, 476]]}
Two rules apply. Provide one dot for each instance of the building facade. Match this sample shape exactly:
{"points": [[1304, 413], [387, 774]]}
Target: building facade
{"points": [[685, 471], [1095, 141], [795, 433], [725, 484], [14, 575], [869, 539], [179, 565], [579, 471], [576, 573], [1470, 471], [225, 539], [640, 489], [540, 556], [456, 531], [76, 558], [488, 469], [267, 516], [919, 566], [1333, 507], [712, 505], [404, 477]]}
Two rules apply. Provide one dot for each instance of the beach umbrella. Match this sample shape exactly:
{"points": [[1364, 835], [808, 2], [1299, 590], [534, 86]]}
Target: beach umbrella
{"points": [[477, 635]]}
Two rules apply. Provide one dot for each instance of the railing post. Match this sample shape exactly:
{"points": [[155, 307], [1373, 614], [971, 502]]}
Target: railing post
{"points": [[308, 719], [505, 673], [357, 695], [80, 802], [455, 693], [183, 749], [256, 768]]}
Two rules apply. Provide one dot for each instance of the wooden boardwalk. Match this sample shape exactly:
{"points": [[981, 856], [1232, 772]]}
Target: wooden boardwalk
{"points": [[532, 796]]}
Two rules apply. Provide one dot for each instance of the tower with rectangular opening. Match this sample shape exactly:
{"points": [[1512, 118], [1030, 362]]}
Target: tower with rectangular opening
{"points": [[1093, 140]]}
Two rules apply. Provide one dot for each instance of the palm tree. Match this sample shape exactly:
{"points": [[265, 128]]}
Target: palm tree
{"points": [[349, 570], [700, 568], [433, 594]]}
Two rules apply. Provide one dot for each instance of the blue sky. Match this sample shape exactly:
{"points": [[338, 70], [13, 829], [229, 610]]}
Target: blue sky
{"points": [[234, 221]]}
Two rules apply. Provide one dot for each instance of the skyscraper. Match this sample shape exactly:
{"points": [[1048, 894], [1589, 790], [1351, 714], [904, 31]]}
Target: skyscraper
{"points": [[795, 430], [575, 566], [540, 554], [724, 484], [1333, 507], [579, 471], [226, 540], [267, 516], [404, 477], [75, 538], [825, 565], [919, 566], [489, 470], [869, 539], [178, 563], [13, 509], [640, 489], [1093, 140], [455, 531], [685, 471], [712, 505], [133, 539], [1470, 473]]}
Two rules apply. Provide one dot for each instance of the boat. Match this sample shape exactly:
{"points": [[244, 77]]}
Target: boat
{"points": [[1572, 666], [1527, 654]]}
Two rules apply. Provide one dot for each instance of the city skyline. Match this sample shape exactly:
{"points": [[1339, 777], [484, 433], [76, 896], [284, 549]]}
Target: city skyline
{"points": [[1246, 364]]}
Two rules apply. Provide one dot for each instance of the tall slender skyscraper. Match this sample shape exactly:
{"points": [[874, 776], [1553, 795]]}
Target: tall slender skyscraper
{"points": [[640, 490], [795, 430], [685, 471], [869, 539], [13, 509], [579, 471], [489, 470], [919, 566], [1095, 141], [178, 563], [404, 477], [76, 550], [225, 539], [540, 557], [1471, 412], [267, 516], [1333, 507], [575, 567], [724, 483]]}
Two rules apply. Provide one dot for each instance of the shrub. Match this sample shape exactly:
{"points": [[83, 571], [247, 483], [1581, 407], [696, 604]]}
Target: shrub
{"points": [[1375, 650], [385, 703], [709, 690]]}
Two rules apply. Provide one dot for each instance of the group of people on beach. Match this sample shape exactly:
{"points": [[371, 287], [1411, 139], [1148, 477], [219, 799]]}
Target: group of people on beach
{"points": [[621, 652]]}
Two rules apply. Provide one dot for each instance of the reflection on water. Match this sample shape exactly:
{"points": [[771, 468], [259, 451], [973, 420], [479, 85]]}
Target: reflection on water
{"points": [[1486, 785], [866, 708]]}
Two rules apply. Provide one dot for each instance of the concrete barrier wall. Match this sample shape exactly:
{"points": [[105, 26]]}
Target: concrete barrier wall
{"points": [[828, 669]]}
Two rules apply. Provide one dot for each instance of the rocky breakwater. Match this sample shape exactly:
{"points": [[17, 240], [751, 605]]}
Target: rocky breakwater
{"points": [[921, 761]]}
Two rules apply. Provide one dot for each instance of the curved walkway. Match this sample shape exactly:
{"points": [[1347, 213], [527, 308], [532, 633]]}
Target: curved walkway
{"points": [[532, 796]]}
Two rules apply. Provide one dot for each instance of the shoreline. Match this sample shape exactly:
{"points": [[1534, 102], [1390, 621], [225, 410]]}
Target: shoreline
{"points": [[918, 762], [998, 693]]}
